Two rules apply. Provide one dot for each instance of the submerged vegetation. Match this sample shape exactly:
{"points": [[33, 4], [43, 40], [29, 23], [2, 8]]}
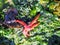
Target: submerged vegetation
{"points": [[45, 33]]}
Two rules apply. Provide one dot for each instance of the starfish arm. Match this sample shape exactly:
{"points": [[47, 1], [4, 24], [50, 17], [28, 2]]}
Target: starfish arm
{"points": [[34, 25], [34, 20], [21, 22], [25, 33]]}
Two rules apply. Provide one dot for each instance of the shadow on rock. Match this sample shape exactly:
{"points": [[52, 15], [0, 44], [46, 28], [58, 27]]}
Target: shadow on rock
{"points": [[6, 41], [54, 40]]}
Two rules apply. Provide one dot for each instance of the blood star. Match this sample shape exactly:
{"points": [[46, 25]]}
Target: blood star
{"points": [[29, 27]]}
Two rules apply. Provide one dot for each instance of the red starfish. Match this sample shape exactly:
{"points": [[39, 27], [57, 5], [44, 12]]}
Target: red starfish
{"points": [[28, 27]]}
